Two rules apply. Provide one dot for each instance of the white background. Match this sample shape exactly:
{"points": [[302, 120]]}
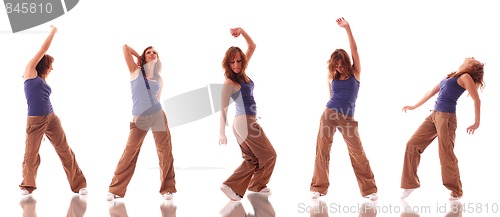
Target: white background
{"points": [[405, 49]]}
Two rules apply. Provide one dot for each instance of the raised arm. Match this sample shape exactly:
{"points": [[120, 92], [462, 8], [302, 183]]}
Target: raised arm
{"points": [[424, 99], [356, 65], [30, 70], [250, 44], [129, 54], [466, 81], [227, 90]]}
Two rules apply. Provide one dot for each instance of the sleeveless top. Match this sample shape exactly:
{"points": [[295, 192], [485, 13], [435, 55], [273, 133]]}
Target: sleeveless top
{"points": [[37, 94], [449, 92], [244, 100], [142, 104], [344, 95]]}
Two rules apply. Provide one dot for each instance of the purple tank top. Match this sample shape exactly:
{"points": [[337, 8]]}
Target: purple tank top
{"points": [[449, 92], [244, 100], [344, 95], [37, 94], [141, 102]]}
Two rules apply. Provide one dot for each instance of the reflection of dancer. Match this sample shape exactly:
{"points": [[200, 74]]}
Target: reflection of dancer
{"points": [[233, 209], [43, 121], [258, 153], [442, 123], [147, 112], [319, 209], [408, 211], [117, 209], [367, 209], [261, 205], [456, 209], [344, 85], [28, 204], [77, 207], [168, 209]]}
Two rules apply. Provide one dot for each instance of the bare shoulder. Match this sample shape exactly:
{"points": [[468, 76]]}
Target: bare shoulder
{"points": [[135, 74], [465, 77], [29, 73], [230, 85], [228, 81], [464, 80]]}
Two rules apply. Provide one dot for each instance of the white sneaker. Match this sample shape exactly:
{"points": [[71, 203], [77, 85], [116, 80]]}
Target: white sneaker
{"points": [[406, 193], [168, 196], [111, 196], [25, 192], [453, 198], [316, 195], [83, 191], [265, 190], [372, 196], [230, 193]]}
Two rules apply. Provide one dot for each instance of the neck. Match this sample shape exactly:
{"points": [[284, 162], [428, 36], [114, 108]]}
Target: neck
{"points": [[342, 76]]}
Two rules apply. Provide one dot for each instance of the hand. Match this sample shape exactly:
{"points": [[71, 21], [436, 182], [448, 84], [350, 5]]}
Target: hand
{"points": [[472, 128], [342, 22], [53, 29], [222, 139], [408, 107], [236, 31]]}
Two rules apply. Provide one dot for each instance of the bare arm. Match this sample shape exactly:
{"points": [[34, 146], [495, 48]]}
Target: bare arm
{"points": [[30, 70], [466, 81], [157, 69], [330, 88], [352, 45], [158, 95], [424, 99], [250, 44], [227, 90], [129, 54]]}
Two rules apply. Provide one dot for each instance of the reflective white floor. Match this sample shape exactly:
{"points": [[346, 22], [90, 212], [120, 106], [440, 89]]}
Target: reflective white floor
{"points": [[199, 195], [202, 166], [192, 200]]}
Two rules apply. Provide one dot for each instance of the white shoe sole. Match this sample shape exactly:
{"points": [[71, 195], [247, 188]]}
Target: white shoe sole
{"points": [[230, 193]]}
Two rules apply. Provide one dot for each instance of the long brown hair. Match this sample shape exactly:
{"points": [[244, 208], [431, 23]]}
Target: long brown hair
{"points": [[158, 66], [228, 72], [339, 54], [43, 65], [476, 72]]}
